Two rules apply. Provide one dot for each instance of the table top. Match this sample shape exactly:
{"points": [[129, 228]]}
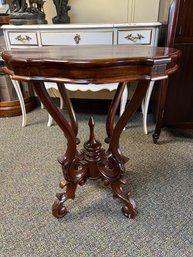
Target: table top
{"points": [[90, 63]]}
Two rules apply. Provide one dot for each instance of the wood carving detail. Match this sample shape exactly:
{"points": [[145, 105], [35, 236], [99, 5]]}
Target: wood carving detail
{"points": [[93, 162]]}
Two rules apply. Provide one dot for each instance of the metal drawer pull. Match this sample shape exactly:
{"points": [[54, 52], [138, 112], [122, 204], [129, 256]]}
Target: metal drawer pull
{"points": [[77, 39], [134, 38], [23, 38]]}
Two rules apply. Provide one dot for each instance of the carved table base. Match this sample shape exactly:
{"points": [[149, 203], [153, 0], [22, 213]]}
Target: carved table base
{"points": [[93, 64], [92, 162]]}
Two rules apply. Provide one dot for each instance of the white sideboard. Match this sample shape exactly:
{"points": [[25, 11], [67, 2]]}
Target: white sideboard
{"points": [[76, 34], [71, 34]]}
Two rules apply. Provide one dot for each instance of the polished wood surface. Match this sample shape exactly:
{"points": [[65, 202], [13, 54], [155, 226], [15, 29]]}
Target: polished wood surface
{"points": [[117, 63], [92, 64]]}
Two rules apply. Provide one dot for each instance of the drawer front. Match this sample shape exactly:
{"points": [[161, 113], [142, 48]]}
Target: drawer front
{"points": [[74, 38], [130, 37], [23, 38]]}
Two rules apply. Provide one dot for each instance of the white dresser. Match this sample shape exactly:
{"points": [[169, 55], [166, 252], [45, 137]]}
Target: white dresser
{"points": [[75, 34]]}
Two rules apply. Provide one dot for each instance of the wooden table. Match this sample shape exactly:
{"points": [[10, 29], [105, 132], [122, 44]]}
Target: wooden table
{"points": [[97, 65]]}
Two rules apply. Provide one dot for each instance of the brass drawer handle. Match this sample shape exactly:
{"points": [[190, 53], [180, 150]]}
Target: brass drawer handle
{"points": [[134, 38], [23, 38], [77, 39]]}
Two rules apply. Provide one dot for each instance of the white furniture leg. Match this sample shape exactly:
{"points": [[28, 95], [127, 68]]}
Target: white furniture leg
{"points": [[123, 100], [145, 102], [50, 119], [21, 101], [145, 105]]}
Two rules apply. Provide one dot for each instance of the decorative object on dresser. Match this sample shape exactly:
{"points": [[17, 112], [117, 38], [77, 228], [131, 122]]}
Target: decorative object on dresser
{"points": [[27, 12], [177, 93], [62, 9]]}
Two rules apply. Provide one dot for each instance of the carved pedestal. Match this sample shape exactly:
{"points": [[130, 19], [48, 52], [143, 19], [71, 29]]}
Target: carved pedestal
{"points": [[93, 162], [95, 64]]}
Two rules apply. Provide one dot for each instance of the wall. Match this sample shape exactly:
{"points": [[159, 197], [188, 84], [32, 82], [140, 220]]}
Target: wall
{"points": [[163, 10], [145, 10], [108, 11]]}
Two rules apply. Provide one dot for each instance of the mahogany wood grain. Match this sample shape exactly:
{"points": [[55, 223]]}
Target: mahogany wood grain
{"points": [[91, 64]]}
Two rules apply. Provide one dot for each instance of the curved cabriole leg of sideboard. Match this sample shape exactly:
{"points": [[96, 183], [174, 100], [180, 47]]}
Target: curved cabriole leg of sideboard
{"points": [[114, 169], [21, 101], [74, 171], [145, 105]]}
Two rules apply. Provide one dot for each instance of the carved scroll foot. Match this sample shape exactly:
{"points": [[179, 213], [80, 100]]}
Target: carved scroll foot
{"points": [[112, 173], [58, 208], [129, 209]]}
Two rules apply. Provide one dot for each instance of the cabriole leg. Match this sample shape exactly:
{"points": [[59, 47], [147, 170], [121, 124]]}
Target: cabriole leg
{"points": [[74, 172], [114, 170]]}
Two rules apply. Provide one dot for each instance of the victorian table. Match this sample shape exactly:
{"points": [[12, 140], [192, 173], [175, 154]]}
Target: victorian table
{"points": [[94, 64]]}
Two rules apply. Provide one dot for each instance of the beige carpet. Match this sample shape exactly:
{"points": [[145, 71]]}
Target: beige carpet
{"points": [[160, 177]]}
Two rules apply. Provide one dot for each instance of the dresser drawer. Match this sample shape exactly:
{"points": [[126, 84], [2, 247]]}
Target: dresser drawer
{"points": [[73, 38], [23, 38], [143, 37]]}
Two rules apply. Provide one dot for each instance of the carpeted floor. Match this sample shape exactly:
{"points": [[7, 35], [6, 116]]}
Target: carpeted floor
{"points": [[160, 177]]}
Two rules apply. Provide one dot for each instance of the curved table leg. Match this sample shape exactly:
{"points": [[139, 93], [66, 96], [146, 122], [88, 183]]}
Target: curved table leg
{"points": [[75, 172], [50, 120], [113, 169], [21, 101], [123, 101], [113, 109], [66, 100], [145, 105], [61, 101]]}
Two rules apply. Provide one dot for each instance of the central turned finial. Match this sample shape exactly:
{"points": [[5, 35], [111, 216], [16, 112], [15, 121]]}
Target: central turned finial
{"points": [[91, 124], [93, 152]]}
